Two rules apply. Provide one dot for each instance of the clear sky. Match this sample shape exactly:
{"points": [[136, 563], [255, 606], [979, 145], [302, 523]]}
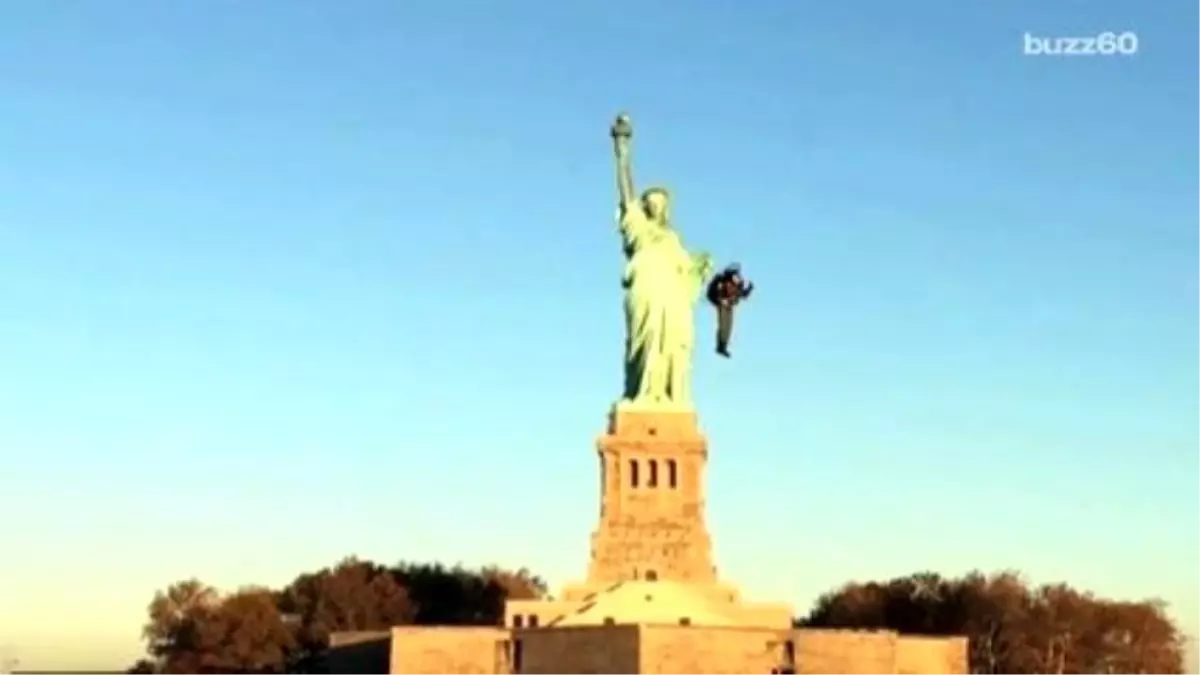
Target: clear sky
{"points": [[284, 281]]}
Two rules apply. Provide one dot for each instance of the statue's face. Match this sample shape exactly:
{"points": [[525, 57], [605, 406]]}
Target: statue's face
{"points": [[655, 204]]}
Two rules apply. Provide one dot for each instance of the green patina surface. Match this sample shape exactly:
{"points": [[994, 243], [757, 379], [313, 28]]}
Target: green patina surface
{"points": [[662, 283]]}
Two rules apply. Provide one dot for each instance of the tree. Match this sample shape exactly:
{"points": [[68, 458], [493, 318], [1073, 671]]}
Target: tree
{"points": [[451, 596], [171, 628], [1134, 637], [516, 585], [244, 633], [997, 609], [353, 595], [192, 629], [1013, 628], [500, 585], [1058, 622]]}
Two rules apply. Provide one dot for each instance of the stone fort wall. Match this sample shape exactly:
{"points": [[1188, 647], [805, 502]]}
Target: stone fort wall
{"points": [[660, 649]]}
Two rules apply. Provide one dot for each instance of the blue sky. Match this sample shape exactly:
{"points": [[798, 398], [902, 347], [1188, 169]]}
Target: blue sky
{"points": [[285, 281]]}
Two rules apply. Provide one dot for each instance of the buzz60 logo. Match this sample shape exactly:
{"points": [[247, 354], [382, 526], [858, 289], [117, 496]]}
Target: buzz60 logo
{"points": [[1107, 43]]}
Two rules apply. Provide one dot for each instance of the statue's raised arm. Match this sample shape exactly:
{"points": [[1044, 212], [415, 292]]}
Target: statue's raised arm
{"points": [[622, 134]]}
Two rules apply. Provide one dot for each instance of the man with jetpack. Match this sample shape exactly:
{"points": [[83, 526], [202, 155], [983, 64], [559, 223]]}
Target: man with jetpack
{"points": [[725, 291]]}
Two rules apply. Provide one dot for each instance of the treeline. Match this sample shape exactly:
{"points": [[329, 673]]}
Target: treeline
{"points": [[192, 628], [1012, 626]]}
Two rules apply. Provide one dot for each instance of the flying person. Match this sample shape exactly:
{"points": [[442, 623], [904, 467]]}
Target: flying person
{"points": [[725, 291]]}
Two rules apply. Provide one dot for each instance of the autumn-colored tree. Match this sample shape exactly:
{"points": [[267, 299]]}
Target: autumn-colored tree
{"points": [[353, 595], [1013, 628], [192, 629], [1134, 637], [171, 629], [500, 585], [997, 608], [244, 633], [1058, 621]]}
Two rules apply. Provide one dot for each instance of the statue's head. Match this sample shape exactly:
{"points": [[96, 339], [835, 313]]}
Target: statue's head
{"points": [[656, 202]]}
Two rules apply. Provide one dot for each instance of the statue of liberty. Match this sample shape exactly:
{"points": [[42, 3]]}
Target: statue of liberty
{"points": [[662, 283]]}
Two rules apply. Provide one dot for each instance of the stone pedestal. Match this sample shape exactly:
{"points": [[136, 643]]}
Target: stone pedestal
{"points": [[651, 556], [652, 524]]}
